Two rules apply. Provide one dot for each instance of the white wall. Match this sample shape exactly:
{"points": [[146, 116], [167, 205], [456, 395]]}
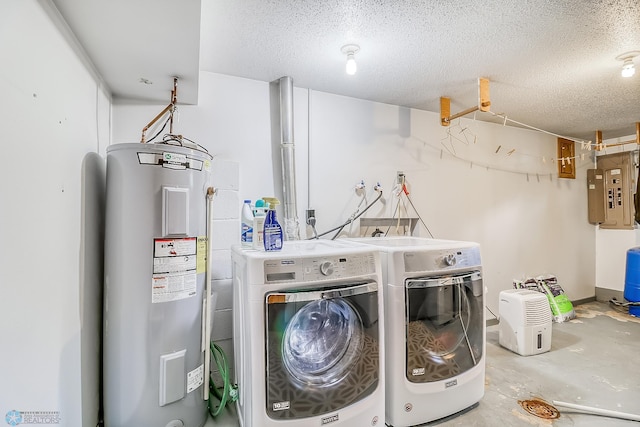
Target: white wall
{"points": [[611, 251], [526, 224], [54, 112], [612, 244]]}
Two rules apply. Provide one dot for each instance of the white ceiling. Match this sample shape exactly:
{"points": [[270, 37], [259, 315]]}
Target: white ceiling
{"points": [[552, 64]]}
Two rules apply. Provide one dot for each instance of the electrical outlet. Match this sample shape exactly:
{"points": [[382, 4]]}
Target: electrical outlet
{"points": [[311, 213]]}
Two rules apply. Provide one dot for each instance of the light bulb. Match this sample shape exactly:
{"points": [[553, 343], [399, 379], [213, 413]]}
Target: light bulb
{"points": [[352, 67], [628, 69], [350, 50]]}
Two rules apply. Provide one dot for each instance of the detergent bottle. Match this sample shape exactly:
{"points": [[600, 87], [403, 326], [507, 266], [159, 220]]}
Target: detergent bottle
{"points": [[272, 229], [259, 215], [246, 227]]}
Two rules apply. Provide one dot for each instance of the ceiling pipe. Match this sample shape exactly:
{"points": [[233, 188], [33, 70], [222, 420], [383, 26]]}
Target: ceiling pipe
{"points": [[287, 151]]}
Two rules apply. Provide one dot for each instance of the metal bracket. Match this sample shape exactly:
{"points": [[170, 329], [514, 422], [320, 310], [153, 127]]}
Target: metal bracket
{"points": [[168, 109]]}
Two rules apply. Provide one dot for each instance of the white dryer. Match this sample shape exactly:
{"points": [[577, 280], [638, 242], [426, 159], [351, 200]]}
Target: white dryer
{"points": [[308, 333], [434, 327]]}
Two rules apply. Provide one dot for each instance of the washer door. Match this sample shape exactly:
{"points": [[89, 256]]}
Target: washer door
{"points": [[322, 341], [322, 349], [444, 326]]}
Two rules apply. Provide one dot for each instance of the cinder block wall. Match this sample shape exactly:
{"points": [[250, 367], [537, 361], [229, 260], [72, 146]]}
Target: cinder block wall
{"points": [[226, 232]]}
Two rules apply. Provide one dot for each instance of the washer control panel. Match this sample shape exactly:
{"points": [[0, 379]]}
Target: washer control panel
{"points": [[449, 260], [441, 259], [321, 268], [326, 268]]}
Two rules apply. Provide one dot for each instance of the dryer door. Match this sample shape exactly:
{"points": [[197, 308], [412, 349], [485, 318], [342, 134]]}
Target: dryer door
{"points": [[322, 349], [444, 326]]}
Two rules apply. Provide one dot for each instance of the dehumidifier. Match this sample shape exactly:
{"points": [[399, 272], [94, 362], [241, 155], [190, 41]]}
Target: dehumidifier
{"points": [[525, 321]]}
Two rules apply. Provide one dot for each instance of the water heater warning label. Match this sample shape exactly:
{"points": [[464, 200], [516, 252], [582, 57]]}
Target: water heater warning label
{"points": [[173, 287], [167, 248], [195, 378], [174, 269]]}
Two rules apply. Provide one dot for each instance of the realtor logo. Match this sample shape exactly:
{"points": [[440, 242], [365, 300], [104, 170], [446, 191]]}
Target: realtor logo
{"points": [[13, 418]]}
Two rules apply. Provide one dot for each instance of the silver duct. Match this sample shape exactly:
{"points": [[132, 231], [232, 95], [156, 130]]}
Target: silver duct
{"points": [[287, 151]]}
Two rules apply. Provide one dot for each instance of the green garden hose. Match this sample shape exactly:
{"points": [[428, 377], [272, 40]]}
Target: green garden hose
{"points": [[227, 393]]}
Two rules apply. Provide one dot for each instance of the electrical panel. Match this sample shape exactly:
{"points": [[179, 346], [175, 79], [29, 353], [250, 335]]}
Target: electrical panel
{"points": [[610, 189], [595, 188]]}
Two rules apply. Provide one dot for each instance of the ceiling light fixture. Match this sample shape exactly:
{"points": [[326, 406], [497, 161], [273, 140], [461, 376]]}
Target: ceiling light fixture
{"points": [[350, 50], [628, 68]]}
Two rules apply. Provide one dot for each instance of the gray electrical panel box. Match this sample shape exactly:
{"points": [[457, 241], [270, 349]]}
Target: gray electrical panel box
{"points": [[611, 188], [595, 188]]}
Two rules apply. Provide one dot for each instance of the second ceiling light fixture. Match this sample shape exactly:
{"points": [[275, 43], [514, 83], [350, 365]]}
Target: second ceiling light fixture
{"points": [[350, 50]]}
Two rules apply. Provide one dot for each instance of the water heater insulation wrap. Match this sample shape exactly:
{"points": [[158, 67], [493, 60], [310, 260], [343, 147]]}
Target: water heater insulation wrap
{"points": [[155, 265]]}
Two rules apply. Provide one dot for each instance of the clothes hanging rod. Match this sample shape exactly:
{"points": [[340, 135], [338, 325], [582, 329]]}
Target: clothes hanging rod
{"points": [[601, 146], [484, 104]]}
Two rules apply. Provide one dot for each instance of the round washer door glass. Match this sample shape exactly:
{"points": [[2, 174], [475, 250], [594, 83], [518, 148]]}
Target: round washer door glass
{"points": [[444, 326], [322, 341], [322, 349]]}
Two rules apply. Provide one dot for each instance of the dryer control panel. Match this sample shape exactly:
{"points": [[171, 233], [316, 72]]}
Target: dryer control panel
{"points": [[321, 268], [441, 259]]}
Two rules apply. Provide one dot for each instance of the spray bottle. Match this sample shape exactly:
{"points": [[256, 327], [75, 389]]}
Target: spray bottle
{"points": [[272, 229]]}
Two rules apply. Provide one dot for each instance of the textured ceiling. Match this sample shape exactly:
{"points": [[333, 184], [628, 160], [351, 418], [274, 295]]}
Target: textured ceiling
{"points": [[551, 64]]}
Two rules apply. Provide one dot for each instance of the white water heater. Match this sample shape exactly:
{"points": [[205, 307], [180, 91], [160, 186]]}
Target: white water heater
{"points": [[155, 265], [525, 321]]}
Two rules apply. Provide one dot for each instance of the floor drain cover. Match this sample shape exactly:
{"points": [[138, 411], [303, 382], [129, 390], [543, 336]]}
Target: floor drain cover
{"points": [[540, 409]]}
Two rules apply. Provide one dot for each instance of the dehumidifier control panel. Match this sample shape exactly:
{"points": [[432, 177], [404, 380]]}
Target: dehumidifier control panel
{"points": [[321, 268]]}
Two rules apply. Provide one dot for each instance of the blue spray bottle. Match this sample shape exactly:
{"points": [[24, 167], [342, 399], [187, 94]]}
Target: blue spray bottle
{"points": [[272, 229]]}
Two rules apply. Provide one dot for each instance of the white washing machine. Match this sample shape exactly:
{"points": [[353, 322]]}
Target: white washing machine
{"points": [[434, 327], [308, 333]]}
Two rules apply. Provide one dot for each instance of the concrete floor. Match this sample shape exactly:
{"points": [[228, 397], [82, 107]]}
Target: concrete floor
{"points": [[594, 361]]}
